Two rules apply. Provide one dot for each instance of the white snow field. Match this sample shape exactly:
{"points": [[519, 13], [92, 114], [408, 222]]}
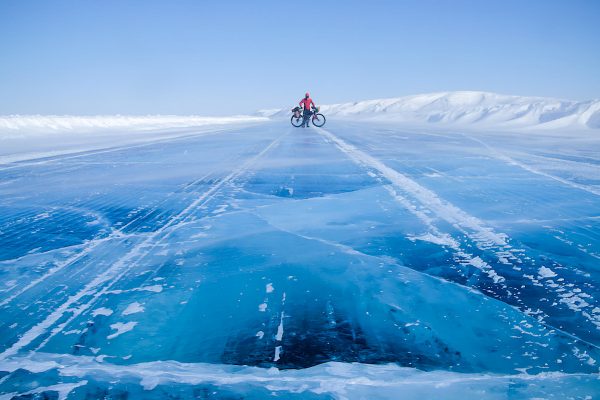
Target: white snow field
{"points": [[368, 259]]}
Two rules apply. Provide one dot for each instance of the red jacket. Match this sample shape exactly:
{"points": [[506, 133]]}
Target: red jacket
{"points": [[306, 103]]}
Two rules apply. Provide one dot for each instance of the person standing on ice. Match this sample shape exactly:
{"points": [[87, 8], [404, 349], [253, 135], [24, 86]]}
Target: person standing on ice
{"points": [[308, 104]]}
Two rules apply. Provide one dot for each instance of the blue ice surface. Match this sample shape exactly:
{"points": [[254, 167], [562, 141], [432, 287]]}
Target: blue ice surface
{"points": [[356, 261]]}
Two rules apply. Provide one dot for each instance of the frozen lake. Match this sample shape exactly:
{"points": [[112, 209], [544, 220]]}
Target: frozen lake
{"points": [[355, 261]]}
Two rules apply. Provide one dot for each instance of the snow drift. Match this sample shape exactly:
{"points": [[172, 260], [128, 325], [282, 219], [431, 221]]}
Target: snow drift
{"points": [[19, 125], [469, 109], [26, 137]]}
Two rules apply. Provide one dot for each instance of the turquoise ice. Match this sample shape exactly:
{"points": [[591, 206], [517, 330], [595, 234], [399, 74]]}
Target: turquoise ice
{"points": [[357, 261]]}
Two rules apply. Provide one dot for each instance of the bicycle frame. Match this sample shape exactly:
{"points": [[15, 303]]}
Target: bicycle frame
{"points": [[298, 113]]}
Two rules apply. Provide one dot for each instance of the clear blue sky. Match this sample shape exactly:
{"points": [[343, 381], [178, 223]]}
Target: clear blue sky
{"points": [[222, 57]]}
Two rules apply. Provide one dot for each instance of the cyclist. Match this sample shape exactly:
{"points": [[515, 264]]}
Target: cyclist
{"points": [[308, 104]]}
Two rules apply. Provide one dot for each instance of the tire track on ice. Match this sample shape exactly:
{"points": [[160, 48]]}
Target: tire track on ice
{"points": [[94, 243], [116, 233], [485, 238], [384, 259], [511, 161], [149, 245], [103, 282]]}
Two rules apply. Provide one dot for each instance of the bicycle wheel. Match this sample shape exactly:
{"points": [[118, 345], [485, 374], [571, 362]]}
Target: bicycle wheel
{"points": [[297, 121], [318, 120]]}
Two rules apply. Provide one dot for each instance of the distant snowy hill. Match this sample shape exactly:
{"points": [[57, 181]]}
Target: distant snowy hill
{"points": [[468, 108]]}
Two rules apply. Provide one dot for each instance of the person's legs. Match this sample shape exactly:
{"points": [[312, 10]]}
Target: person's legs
{"points": [[307, 115]]}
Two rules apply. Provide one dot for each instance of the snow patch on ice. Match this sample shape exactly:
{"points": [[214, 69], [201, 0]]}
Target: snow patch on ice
{"points": [[133, 308], [121, 328], [279, 335], [339, 380], [439, 239], [546, 272], [102, 311], [152, 288], [277, 357], [62, 390]]}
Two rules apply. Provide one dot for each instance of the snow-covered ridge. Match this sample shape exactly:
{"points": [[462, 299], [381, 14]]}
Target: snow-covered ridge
{"points": [[469, 108], [45, 123]]}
